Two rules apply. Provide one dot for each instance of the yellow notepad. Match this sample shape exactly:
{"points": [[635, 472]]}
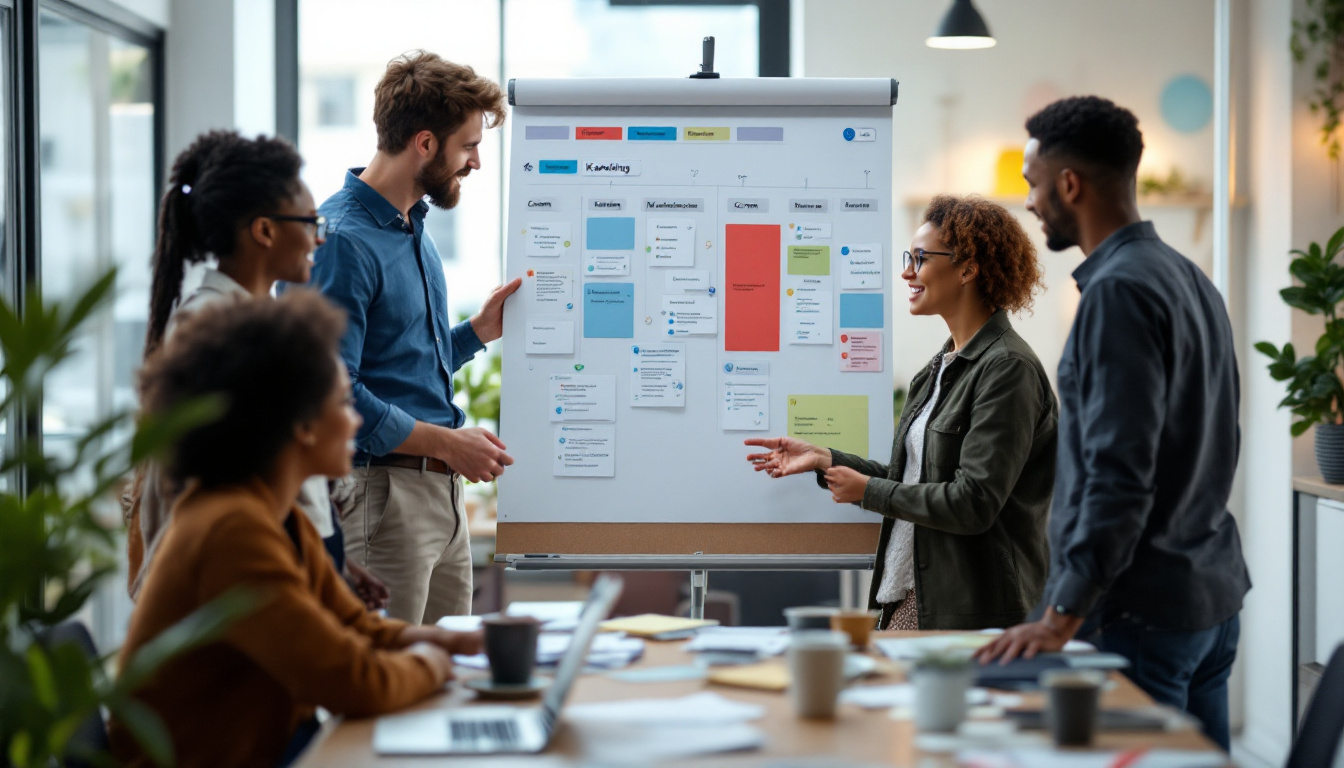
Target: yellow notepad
{"points": [[652, 624], [766, 676]]}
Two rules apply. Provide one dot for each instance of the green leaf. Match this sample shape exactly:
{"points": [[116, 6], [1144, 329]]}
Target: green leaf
{"points": [[39, 671], [1300, 427], [1336, 243], [146, 727], [21, 749], [1264, 347]]}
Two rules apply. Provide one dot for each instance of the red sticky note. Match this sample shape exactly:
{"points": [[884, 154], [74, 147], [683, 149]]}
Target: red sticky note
{"points": [[597, 133], [751, 300]]}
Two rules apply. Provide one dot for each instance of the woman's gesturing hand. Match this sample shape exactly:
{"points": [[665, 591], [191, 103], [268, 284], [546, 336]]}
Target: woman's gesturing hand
{"points": [[847, 485], [787, 456]]}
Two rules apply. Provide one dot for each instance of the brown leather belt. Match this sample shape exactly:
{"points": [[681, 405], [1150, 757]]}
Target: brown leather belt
{"points": [[418, 463]]}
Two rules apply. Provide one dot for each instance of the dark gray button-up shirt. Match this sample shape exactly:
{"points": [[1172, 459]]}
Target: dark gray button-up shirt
{"points": [[1148, 442]]}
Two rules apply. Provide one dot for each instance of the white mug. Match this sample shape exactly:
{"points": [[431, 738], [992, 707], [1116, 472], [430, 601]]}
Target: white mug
{"points": [[817, 671]]}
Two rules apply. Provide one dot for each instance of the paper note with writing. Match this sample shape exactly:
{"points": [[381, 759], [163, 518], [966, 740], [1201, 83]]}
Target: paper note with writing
{"points": [[608, 310], [807, 231], [584, 450], [687, 280], [861, 267], [861, 351], [550, 337], [830, 421], [552, 289], [671, 242], [809, 305], [744, 403], [685, 315], [609, 242], [751, 298], [583, 397], [809, 259], [547, 239], [658, 375]]}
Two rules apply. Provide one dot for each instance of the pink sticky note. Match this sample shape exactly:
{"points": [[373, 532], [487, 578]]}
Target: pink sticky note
{"points": [[861, 351]]}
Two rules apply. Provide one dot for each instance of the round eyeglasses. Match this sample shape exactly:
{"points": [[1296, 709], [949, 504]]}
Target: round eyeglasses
{"points": [[318, 223], [919, 257]]}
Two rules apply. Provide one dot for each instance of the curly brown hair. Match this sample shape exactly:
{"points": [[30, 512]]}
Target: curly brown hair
{"points": [[421, 91], [268, 364], [986, 233]]}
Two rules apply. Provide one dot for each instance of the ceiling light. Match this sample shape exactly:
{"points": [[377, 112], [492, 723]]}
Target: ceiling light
{"points": [[962, 28]]}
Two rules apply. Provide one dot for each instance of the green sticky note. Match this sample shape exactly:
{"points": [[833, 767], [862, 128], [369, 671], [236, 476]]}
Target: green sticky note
{"points": [[809, 259], [831, 421]]}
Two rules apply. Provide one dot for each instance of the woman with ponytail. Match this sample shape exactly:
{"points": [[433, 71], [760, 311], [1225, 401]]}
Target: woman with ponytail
{"points": [[241, 202]]}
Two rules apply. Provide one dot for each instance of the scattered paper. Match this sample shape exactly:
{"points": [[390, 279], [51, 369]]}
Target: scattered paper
{"points": [[555, 615], [762, 641], [459, 623], [625, 744], [1072, 758], [659, 674], [900, 695], [701, 708], [650, 624]]}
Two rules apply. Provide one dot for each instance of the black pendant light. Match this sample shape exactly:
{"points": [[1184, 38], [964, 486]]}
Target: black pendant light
{"points": [[963, 27]]}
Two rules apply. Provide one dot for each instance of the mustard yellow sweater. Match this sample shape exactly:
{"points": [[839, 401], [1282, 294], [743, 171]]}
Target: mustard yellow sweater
{"points": [[237, 701]]}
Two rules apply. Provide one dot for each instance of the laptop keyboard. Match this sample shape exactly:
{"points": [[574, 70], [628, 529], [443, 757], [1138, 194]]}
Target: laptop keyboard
{"points": [[484, 733]]}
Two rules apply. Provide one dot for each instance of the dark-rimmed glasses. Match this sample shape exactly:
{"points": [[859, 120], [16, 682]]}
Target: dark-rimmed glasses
{"points": [[317, 222], [919, 257]]}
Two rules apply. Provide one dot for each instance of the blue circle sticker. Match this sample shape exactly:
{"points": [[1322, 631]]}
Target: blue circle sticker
{"points": [[562, 441], [728, 367], [1187, 103], [844, 250], [849, 134], [558, 409]]}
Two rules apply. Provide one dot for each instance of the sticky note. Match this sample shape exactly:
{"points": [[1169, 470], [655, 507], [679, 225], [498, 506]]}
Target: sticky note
{"points": [[670, 242], [550, 337], [684, 315], [608, 310], [807, 231], [809, 259], [658, 375], [584, 450], [583, 397], [751, 293], [610, 233], [830, 421], [552, 289], [861, 351], [684, 280], [861, 310], [547, 239], [861, 266], [809, 305]]}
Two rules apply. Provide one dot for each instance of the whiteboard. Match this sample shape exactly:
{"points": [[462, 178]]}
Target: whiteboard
{"points": [[731, 240]]}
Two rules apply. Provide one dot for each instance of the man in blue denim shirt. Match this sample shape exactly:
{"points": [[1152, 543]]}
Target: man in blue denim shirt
{"points": [[401, 508], [1145, 559]]}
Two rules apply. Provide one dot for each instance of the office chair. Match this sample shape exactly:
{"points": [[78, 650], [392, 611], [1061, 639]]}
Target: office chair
{"points": [[1318, 739], [91, 736]]}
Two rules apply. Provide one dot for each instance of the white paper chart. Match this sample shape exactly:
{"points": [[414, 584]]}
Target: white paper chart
{"points": [[704, 261]]}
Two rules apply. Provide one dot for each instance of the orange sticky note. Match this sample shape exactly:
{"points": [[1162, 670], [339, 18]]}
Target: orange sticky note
{"points": [[751, 299]]}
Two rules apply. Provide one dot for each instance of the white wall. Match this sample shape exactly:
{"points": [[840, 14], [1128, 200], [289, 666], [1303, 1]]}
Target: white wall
{"points": [[959, 109]]}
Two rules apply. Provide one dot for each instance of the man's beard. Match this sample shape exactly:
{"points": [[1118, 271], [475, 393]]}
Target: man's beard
{"points": [[1062, 227], [442, 187]]}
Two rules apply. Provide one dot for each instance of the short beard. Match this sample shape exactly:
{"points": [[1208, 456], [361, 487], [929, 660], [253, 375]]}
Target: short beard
{"points": [[1063, 233], [442, 188]]}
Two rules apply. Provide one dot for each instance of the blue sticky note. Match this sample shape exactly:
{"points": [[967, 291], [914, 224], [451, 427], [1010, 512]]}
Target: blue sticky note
{"points": [[861, 310], [611, 233], [609, 310]]}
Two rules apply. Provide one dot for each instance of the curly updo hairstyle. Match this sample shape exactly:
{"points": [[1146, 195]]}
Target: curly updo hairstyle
{"points": [[270, 363], [986, 233]]}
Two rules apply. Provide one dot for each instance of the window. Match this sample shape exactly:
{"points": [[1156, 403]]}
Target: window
{"points": [[335, 101]]}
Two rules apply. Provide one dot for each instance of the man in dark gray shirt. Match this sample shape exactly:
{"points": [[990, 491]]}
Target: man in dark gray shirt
{"points": [[1145, 558]]}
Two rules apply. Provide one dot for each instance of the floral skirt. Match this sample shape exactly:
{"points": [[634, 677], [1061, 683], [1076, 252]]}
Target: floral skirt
{"points": [[906, 615]]}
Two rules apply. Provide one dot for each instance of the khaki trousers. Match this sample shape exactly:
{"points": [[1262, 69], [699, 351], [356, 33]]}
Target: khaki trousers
{"points": [[407, 527]]}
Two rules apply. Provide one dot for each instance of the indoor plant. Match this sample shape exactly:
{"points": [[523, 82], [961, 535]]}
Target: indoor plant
{"points": [[1315, 392], [55, 549]]}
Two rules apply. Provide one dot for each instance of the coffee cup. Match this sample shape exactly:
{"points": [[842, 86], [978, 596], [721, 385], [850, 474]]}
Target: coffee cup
{"points": [[816, 671], [809, 617], [1072, 703], [511, 646], [858, 625]]}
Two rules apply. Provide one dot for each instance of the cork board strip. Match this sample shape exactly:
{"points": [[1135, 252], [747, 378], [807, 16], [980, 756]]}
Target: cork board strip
{"points": [[688, 538]]}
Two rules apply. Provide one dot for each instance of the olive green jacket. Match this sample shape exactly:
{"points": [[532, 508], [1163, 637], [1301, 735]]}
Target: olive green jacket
{"points": [[980, 508]]}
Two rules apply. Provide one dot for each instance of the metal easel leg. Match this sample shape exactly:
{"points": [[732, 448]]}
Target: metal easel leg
{"points": [[699, 586]]}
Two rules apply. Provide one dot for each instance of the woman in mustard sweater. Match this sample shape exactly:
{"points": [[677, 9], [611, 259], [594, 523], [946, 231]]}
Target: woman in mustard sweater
{"points": [[248, 699]]}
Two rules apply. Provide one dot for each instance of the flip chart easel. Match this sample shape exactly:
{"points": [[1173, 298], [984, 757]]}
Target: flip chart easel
{"points": [[704, 260]]}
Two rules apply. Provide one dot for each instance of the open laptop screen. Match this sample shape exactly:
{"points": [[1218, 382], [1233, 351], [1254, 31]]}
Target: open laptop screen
{"points": [[606, 590]]}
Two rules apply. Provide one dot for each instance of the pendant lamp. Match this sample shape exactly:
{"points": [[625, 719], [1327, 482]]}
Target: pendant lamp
{"points": [[962, 27]]}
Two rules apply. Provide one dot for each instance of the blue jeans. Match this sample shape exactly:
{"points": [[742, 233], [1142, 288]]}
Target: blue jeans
{"points": [[1187, 670]]}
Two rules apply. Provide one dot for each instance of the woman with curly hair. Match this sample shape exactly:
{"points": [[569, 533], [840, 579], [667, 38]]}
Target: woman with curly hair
{"points": [[966, 495]]}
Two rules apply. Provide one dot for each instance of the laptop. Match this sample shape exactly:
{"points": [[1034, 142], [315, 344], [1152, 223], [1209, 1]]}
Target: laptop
{"points": [[490, 730]]}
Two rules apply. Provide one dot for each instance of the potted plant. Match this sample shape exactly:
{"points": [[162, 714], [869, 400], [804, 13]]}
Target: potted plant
{"points": [[941, 680], [56, 548], [1318, 42], [1315, 392]]}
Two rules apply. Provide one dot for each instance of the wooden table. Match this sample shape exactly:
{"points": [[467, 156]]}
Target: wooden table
{"points": [[856, 735]]}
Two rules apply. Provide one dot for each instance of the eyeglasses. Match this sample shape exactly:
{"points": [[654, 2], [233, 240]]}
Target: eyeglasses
{"points": [[919, 257], [317, 222]]}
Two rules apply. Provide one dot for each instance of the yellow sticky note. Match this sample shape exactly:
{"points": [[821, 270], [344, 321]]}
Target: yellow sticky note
{"points": [[809, 259], [1008, 181], [648, 624], [766, 676], [831, 421]]}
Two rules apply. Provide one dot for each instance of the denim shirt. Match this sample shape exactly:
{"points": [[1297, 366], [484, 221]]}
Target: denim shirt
{"points": [[399, 347], [1148, 440]]}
